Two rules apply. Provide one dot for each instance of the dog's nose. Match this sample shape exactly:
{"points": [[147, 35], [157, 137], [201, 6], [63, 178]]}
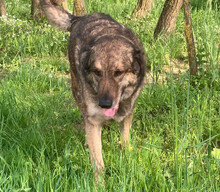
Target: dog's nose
{"points": [[105, 102]]}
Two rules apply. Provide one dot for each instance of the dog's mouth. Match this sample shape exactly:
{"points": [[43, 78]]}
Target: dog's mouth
{"points": [[111, 111]]}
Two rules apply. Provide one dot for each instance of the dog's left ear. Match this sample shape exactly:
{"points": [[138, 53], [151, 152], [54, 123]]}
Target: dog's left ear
{"points": [[138, 64]]}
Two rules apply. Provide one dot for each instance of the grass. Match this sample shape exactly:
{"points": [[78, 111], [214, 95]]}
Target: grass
{"points": [[175, 128]]}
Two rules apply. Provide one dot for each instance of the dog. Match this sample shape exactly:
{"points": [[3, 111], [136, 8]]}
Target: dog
{"points": [[107, 67]]}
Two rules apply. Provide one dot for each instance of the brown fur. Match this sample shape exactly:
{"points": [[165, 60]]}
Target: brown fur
{"points": [[107, 66]]}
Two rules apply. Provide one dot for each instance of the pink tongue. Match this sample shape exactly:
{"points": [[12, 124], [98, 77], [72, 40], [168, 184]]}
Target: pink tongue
{"points": [[110, 112]]}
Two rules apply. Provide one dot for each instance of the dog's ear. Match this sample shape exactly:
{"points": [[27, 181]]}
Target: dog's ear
{"points": [[138, 64]]}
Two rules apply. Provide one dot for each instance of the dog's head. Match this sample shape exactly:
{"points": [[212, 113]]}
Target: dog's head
{"points": [[114, 69]]}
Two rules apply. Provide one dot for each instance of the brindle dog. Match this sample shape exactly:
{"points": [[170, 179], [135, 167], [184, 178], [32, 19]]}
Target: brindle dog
{"points": [[107, 65]]}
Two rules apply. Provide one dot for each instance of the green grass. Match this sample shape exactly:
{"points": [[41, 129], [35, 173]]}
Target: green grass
{"points": [[175, 126]]}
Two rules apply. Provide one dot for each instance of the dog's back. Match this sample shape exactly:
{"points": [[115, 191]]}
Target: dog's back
{"points": [[96, 25]]}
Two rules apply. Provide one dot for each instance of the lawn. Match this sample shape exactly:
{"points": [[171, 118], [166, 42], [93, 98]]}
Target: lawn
{"points": [[175, 135]]}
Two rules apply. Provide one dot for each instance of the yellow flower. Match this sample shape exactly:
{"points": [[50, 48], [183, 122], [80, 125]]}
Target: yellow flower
{"points": [[131, 148]]}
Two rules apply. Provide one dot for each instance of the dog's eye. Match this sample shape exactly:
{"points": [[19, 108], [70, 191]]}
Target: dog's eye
{"points": [[97, 73], [118, 73]]}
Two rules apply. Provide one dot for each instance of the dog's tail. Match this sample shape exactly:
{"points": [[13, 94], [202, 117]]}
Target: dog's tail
{"points": [[57, 16]]}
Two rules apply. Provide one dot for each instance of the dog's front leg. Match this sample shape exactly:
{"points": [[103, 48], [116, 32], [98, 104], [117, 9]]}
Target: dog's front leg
{"points": [[93, 139], [125, 128]]}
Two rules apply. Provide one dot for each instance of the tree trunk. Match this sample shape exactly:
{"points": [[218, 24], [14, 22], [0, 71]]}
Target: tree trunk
{"points": [[189, 38], [2, 8], [65, 5], [143, 8], [57, 1], [79, 7], [62, 2], [167, 21], [36, 11]]}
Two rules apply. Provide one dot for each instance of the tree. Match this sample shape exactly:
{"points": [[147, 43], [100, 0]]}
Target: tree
{"points": [[2, 8], [36, 11], [189, 38], [65, 5], [143, 8], [62, 2], [79, 7], [167, 21]]}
